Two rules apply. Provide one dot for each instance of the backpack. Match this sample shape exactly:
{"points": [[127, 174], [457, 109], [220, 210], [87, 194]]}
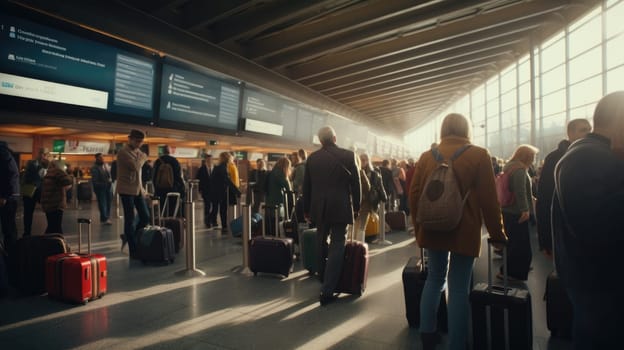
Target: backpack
{"points": [[503, 192], [441, 204], [164, 175]]}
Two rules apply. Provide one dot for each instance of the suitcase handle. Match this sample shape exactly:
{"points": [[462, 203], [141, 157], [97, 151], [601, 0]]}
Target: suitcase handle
{"points": [[156, 203], [490, 242], [82, 221], [166, 205], [276, 214]]}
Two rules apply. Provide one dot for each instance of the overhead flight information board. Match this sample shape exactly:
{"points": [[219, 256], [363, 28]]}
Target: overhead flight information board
{"points": [[43, 63], [195, 98], [268, 113]]}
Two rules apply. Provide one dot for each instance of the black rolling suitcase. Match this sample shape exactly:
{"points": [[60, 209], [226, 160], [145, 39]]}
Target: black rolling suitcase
{"points": [[156, 244], [558, 307], [271, 254], [414, 277], [173, 222], [84, 191], [290, 223], [28, 258], [501, 316]]}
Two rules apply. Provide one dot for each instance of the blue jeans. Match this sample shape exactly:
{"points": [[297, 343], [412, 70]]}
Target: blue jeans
{"points": [[130, 203], [459, 274], [598, 319], [104, 197]]}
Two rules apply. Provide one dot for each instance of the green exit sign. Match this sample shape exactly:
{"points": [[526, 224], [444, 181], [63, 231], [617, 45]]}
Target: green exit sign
{"points": [[58, 146]]}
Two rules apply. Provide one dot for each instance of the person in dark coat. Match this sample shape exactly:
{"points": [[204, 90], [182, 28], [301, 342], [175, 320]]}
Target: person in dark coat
{"points": [[204, 175], [102, 186], [9, 194], [588, 227], [277, 184], [178, 182], [33, 175], [388, 182], [577, 129], [220, 184], [258, 177], [332, 196]]}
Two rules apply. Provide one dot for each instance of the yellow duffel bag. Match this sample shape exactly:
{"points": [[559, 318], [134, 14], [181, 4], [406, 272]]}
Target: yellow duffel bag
{"points": [[372, 225]]}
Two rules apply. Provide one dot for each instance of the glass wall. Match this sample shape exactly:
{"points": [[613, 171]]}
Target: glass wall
{"points": [[571, 71]]}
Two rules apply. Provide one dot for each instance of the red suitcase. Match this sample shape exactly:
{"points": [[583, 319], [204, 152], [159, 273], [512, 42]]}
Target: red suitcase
{"points": [[354, 269], [77, 278]]}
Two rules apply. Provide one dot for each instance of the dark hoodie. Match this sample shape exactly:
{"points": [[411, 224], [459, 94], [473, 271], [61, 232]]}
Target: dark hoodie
{"points": [[9, 174], [545, 190]]}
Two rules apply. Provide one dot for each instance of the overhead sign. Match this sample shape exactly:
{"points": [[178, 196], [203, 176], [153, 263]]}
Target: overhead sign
{"points": [[43, 63], [195, 98], [80, 147]]}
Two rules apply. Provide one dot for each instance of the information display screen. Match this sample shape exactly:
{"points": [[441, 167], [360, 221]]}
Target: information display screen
{"points": [[47, 64], [198, 99], [270, 114]]}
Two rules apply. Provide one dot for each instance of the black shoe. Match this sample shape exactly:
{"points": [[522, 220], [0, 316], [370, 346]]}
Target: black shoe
{"points": [[124, 241], [326, 299], [208, 225]]}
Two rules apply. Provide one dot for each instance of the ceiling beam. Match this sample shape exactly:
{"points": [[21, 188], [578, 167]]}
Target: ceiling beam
{"points": [[422, 70], [413, 87], [413, 79], [251, 22], [381, 30], [353, 18], [458, 53], [478, 25]]}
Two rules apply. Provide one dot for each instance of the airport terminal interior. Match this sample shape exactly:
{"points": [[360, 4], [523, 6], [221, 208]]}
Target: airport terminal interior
{"points": [[258, 79]]}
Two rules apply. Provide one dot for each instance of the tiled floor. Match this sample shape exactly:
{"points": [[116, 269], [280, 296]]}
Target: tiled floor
{"points": [[152, 307]]}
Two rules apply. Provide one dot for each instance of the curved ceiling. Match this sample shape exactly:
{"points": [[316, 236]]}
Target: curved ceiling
{"points": [[398, 62]]}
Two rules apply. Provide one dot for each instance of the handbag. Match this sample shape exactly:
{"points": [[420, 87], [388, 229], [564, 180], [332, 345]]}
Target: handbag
{"points": [[27, 190]]}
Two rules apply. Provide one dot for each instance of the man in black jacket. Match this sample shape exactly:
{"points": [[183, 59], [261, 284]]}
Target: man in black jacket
{"points": [[177, 184], [588, 228], [204, 175], [331, 195], [577, 129], [9, 193]]}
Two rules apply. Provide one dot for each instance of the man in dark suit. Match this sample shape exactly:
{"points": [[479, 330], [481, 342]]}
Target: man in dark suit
{"points": [[331, 194], [204, 175]]}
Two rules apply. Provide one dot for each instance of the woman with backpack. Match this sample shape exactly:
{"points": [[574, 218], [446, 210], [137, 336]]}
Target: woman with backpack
{"points": [[373, 193], [461, 244]]}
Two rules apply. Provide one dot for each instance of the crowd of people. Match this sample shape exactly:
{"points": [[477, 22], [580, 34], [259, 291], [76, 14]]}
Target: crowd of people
{"points": [[575, 198]]}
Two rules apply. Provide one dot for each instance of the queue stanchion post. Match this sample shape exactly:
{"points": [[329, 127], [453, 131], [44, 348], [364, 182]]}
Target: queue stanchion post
{"points": [[246, 237], [381, 240], [74, 193], [191, 268]]}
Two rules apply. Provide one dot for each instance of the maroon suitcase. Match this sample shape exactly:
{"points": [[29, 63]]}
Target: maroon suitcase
{"points": [[397, 220], [354, 269]]}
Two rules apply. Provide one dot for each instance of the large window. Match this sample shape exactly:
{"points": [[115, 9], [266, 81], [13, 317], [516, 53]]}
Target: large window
{"points": [[572, 70]]}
